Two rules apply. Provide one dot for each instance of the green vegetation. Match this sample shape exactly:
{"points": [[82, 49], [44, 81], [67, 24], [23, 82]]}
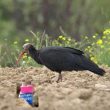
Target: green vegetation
{"points": [[96, 48]]}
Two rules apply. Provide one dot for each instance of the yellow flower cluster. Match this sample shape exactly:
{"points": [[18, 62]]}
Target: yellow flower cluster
{"points": [[63, 38], [106, 32], [63, 41]]}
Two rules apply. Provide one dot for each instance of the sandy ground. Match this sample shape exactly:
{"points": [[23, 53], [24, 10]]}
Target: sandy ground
{"points": [[78, 90]]}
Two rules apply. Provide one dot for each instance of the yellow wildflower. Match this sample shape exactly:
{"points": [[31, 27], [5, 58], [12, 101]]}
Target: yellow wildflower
{"points": [[107, 31], [99, 42], [94, 37], [60, 37], [64, 38], [92, 58], [26, 40]]}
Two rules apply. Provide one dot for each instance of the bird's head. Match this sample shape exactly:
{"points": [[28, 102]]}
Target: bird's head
{"points": [[26, 48]]}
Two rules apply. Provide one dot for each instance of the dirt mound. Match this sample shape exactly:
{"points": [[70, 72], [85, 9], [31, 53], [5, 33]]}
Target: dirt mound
{"points": [[78, 90]]}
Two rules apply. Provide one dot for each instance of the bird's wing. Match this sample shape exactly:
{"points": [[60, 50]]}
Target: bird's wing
{"points": [[63, 50], [73, 50], [59, 58]]}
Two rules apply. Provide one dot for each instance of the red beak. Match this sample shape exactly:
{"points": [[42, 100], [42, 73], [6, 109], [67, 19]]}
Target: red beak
{"points": [[20, 56]]}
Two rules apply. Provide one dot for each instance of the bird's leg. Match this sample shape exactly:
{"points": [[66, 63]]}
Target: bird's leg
{"points": [[59, 77]]}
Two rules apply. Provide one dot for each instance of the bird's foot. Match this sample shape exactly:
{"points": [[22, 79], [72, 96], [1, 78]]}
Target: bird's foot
{"points": [[59, 78]]}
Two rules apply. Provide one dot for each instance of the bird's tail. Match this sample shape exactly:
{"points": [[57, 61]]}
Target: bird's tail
{"points": [[98, 71], [91, 66]]}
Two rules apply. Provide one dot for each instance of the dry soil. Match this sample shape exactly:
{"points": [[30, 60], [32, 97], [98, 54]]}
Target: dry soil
{"points": [[81, 90]]}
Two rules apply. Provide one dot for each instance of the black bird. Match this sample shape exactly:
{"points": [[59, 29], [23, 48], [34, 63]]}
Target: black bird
{"points": [[61, 59]]}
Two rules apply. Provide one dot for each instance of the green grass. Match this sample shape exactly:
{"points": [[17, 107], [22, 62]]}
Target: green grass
{"points": [[95, 47]]}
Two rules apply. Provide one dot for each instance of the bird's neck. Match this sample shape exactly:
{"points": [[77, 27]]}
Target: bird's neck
{"points": [[34, 54]]}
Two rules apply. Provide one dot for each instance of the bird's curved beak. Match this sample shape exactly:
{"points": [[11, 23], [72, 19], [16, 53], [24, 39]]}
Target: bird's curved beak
{"points": [[20, 56]]}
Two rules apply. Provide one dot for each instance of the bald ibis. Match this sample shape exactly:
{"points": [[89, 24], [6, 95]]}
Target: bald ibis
{"points": [[61, 59]]}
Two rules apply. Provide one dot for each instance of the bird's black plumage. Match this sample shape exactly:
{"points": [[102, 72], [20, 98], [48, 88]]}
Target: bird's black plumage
{"points": [[64, 59]]}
